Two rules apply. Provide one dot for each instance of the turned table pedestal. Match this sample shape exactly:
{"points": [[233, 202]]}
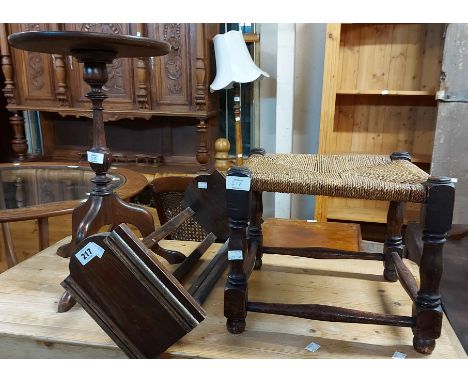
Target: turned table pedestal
{"points": [[96, 51]]}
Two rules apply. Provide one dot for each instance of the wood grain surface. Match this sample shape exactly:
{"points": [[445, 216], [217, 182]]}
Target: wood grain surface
{"points": [[299, 233], [30, 326]]}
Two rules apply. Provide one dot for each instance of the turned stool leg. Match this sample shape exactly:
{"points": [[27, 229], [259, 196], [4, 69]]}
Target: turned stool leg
{"points": [[235, 292], [255, 227], [436, 220], [393, 239], [256, 220]]}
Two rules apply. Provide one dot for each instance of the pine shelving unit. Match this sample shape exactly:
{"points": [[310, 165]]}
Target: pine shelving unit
{"points": [[379, 90]]}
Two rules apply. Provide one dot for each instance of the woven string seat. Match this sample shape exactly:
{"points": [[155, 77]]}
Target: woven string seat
{"points": [[374, 177]]}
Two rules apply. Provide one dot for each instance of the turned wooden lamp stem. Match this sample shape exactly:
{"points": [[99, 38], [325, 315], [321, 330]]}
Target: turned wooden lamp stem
{"points": [[238, 126]]}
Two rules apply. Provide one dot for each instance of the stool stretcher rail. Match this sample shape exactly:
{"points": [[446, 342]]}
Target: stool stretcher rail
{"points": [[323, 253], [330, 313]]}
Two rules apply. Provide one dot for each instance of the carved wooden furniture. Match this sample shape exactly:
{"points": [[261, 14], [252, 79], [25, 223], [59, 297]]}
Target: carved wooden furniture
{"points": [[31, 191], [379, 95], [392, 178], [165, 101]]}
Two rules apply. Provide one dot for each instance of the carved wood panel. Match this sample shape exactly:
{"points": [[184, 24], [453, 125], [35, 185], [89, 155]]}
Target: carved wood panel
{"points": [[173, 86], [120, 85], [35, 73], [171, 73]]}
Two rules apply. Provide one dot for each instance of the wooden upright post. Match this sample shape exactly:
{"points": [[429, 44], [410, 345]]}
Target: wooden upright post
{"points": [[203, 154], [255, 232], [330, 69], [238, 126], [436, 218], [235, 292], [393, 239]]}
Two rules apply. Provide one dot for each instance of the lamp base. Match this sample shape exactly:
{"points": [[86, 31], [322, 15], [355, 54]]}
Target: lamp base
{"points": [[222, 160]]}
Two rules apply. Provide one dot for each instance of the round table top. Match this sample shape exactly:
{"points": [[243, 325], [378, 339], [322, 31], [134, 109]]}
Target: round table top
{"points": [[74, 43], [43, 189]]}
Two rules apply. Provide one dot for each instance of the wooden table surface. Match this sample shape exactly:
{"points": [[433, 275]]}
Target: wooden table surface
{"points": [[133, 183], [31, 328]]}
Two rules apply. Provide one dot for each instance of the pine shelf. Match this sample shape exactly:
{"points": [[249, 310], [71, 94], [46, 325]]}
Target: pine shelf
{"points": [[378, 97], [368, 211], [385, 92]]}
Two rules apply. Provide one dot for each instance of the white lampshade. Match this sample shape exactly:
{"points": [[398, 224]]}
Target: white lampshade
{"points": [[233, 61]]}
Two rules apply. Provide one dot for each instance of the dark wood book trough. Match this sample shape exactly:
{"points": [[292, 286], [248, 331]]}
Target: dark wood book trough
{"points": [[124, 287], [130, 294]]}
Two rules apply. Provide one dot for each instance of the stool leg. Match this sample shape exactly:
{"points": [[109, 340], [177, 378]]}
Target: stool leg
{"points": [[256, 220], [235, 291], [436, 219], [393, 239], [255, 227]]}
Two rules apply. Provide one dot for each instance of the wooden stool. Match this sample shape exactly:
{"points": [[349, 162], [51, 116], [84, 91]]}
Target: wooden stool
{"points": [[393, 178]]}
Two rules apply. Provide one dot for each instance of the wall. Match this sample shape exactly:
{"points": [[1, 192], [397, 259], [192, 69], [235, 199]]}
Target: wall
{"points": [[278, 126], [450, 152], [309, 55], [267, 103]]}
